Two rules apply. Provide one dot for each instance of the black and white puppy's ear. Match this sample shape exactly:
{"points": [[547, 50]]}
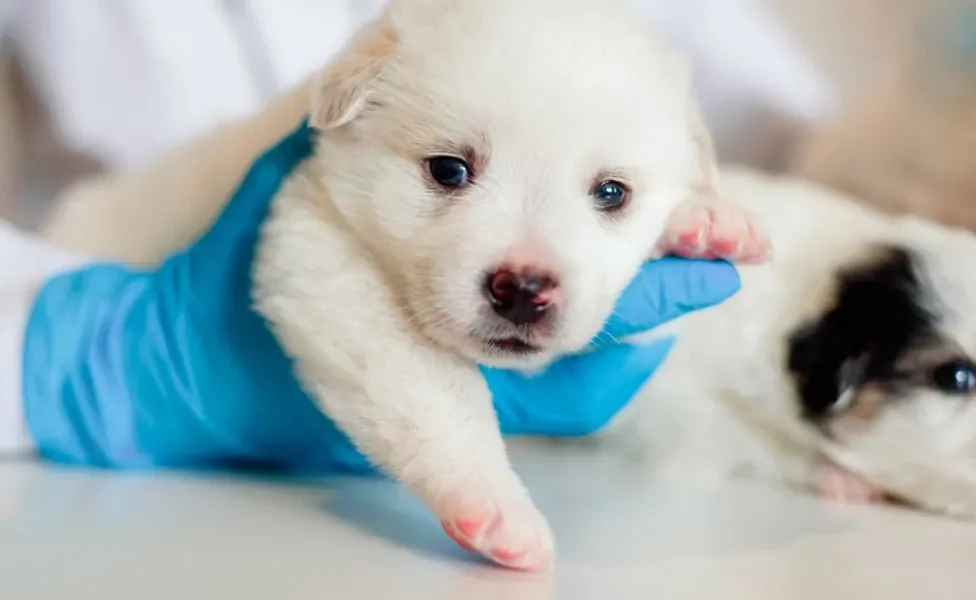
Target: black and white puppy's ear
{"points": [[348, 85], [877, 317]]}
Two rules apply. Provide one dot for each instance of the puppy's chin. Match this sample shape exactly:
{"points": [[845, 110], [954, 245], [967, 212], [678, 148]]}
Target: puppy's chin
{"points": [[517, 359], [518, 356], [499, 353], [479, 337]]}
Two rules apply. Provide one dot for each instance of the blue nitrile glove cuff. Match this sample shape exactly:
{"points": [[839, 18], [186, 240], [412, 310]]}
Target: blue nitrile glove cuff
{"points": [[118, 383]]}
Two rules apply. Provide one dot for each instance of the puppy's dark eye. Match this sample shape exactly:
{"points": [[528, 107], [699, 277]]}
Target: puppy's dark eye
{"points": [[449, 172], [956, 377], [610, 196]]}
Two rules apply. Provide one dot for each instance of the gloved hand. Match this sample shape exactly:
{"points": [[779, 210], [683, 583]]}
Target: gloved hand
{"points": [[580, 394], [171, 367]]}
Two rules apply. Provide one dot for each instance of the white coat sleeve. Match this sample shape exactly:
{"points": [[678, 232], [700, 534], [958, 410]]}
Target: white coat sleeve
{"points": [[26, 263], [9, 10]]}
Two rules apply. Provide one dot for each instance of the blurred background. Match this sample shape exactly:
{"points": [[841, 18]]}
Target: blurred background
{"points": [[873, 97]]}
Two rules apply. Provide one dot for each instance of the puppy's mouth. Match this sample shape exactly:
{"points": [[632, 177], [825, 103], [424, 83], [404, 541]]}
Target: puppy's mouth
{"points": [[509, 346]]}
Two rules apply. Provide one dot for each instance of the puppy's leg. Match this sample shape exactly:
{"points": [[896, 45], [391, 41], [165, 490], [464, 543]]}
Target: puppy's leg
{"points": [[814, 473], [418, 412], [427, 419], [699, 229], [837, 484]]}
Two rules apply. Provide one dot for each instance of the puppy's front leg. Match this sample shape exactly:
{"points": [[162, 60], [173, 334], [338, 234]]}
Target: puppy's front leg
{"points": [[427, 419], [420, 413]]}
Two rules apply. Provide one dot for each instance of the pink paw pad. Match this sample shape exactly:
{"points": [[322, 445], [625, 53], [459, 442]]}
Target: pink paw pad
{"points": [[467, 530], [838, 485], [722, 231], [504, 543], [504, 556], [459, 538]]}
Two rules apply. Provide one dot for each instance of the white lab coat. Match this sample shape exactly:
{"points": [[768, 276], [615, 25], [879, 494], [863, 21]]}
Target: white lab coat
{"points": [[126, 79]]}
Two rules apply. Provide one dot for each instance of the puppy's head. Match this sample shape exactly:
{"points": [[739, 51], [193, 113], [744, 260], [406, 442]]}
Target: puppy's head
{"points": [[887, 373], [511, 163]]}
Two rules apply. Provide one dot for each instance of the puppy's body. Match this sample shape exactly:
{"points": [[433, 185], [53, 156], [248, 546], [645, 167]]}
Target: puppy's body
{"points": [[754, 386], [143, 216], [489, 178], [452, 216]]}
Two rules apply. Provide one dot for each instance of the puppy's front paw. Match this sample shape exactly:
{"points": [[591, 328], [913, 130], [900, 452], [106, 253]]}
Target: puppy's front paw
{"points": [[702, 230], [839, 485], [516, 535]]}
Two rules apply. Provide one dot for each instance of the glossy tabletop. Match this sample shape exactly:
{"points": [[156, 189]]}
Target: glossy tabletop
{"points": [[106, 536]]}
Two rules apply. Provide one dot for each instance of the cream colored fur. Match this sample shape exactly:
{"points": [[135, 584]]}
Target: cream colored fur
{"points": [[371, 273], [193, 183]]}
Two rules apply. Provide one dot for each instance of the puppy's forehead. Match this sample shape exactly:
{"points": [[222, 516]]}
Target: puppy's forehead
{"points": [[543, 63], [949, 274]]}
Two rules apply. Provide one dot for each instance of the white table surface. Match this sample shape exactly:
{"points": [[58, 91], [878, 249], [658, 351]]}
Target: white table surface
{"points": [[107, 536]]}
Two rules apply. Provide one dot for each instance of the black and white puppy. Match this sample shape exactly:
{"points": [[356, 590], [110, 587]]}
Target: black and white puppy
{"points": [[846, 366]]}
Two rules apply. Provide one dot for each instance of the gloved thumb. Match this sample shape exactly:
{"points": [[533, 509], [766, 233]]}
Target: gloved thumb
{"points": [[578, 395], [613, 376]]}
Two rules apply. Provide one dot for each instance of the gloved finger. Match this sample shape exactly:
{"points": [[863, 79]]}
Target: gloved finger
{"points": [[249, 204], [668, 288], [578, 395]]}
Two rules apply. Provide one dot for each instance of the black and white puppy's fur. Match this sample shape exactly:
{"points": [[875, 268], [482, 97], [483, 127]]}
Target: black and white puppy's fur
{"points": [[846, 366]]}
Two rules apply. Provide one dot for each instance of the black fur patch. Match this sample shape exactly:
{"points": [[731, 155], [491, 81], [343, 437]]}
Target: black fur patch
{"points": [[877, 317]]}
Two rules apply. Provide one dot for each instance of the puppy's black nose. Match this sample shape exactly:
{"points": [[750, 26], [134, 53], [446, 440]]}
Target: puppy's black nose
{"points": [[521, 297]]}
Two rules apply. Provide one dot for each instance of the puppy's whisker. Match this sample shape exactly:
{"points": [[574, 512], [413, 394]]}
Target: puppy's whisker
{"points": [[600, 340]]}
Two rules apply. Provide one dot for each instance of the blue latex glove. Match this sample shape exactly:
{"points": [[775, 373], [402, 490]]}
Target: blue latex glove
{"points": [[172, 368]]}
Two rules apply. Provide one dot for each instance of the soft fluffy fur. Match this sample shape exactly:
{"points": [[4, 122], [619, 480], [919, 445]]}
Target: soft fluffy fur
{"points": [[370, 273], [824, 371], [375, 276]]}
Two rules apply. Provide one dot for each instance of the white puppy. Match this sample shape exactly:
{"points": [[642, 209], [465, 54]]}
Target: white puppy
{"points": [[474, 199], [490, 177]]}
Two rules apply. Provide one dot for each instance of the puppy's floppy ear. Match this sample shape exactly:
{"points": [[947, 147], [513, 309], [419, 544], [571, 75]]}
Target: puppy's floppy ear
{"points": [[705, 183], [877, 316], [347, 85]]}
